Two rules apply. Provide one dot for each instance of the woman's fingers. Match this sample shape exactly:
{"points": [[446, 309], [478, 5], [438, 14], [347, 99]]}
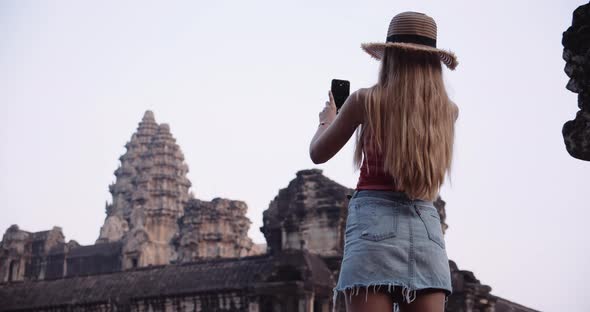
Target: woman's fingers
{"points": [[329, 110], [331, 97]]}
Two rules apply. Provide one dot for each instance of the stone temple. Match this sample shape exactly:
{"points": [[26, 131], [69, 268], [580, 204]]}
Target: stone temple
{"points": [[162, 249]]}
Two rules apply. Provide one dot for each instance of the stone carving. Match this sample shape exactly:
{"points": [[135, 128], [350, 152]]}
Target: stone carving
{"points": [[113, 229], [576, 53], [214, 229]]}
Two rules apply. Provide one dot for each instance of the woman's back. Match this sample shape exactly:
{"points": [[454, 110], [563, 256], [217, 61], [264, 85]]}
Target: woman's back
{"points": [[408, 126], [372, 176]]}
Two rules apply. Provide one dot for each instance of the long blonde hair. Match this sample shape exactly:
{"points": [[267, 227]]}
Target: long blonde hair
{"points": [[410, 121]]}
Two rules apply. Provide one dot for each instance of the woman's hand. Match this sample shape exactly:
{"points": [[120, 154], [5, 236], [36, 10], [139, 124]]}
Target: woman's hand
{"points": [[328, 114], [328, 140]]}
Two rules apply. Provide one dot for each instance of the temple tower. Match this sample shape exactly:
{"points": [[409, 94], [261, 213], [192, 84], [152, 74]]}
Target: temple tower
{"points": [[149, 195]]}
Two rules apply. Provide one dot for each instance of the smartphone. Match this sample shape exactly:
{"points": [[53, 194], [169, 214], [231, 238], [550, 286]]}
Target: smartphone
{"points": [[340, 91]]}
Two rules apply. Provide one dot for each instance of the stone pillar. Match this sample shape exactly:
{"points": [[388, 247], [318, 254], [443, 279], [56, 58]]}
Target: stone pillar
{"points": [[16, 270]]}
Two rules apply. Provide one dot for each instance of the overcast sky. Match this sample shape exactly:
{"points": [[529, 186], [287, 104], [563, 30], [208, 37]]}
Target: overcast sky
{"points": [[241, 84]]}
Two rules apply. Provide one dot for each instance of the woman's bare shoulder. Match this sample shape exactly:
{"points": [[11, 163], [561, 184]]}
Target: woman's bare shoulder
{"points": [[362, 92], [359, 98]]}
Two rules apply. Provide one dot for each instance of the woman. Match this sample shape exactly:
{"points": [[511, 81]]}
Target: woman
{"points": [[393, 239]]}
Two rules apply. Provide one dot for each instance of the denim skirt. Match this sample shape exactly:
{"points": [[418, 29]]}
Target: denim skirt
{"points": [[392, 242]]}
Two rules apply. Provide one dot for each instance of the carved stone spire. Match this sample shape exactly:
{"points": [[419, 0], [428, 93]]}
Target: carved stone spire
{"points": [[149, 195]]}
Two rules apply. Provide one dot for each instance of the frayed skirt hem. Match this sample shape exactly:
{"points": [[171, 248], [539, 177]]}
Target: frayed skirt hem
{"points": [[408, 293]]}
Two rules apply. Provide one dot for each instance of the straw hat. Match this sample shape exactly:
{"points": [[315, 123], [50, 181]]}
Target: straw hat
{"points": [[411, 31]]}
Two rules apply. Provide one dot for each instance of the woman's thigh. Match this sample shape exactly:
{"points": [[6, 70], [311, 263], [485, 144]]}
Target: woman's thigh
{"points": [[427, 300], [369, 301]]}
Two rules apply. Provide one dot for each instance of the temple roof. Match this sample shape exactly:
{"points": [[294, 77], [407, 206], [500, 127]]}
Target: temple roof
{"points": [[177, 279], [104, 249]]}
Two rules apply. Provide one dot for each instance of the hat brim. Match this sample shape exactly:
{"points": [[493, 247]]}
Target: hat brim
{"points": [[375, 49]]}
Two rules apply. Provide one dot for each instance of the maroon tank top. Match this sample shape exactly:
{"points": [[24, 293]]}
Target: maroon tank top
{"points": [[372, 176]]}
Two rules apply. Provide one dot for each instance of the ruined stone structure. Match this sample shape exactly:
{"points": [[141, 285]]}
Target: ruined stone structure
{"points": [[161, 249], [576, 53], [215, 229], [307, 215], [440, 207], [32, 255]]}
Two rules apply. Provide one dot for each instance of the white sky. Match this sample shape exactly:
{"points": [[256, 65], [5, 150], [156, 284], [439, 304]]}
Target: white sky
{"points": [[241, 84]]}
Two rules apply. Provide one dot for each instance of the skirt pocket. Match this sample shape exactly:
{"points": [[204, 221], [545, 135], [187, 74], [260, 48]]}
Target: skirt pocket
{"points": [[431, 221], [376, 218]]}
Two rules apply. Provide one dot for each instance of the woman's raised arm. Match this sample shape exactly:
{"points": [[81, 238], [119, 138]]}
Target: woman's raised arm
{"points": [[338, 128]]}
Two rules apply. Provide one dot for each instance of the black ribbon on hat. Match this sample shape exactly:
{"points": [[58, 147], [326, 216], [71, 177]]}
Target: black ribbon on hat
{"points": [[413, 39]]}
